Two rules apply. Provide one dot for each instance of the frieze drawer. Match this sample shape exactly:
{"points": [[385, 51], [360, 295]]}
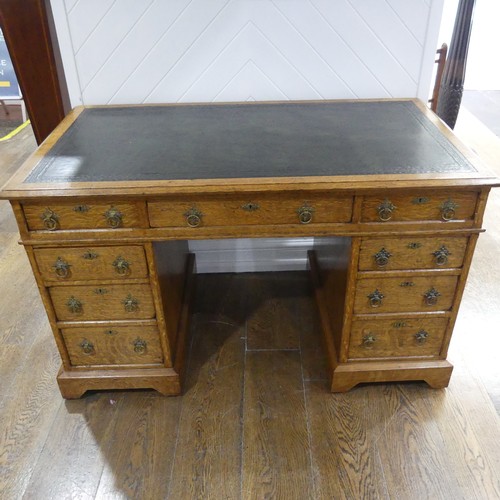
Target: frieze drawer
{"points": [[113, 345], [297, 208], [82, 215], [400, 337], [419, 293], [105, 302], [432, 206], [415, 252], [91, 263]]}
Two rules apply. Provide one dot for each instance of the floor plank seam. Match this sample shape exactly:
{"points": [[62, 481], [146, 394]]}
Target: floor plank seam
{"points": [[243, 383]]}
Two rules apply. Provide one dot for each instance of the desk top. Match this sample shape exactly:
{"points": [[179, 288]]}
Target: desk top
{"points": [[136, 147]]}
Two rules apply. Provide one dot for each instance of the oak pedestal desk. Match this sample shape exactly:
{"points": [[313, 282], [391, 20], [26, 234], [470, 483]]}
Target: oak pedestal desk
{"points": [[108, 203]]}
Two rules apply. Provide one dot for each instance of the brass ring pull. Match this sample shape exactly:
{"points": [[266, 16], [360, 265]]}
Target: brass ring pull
{"points": [[114, 217], [87, 347], [369, 340], [441, 256], [193, 217], [431, 297], [448, 210], [74, 305], [50, 219], [305, 213], [421, 337], [61, 268], [131, 303], [140, 346], [385, 210], [122, 267], [382, 257], [376, 298]]}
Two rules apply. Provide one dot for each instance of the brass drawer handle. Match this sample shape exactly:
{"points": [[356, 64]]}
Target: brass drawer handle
{"points": [[376, 298], [87, 347], [421, 337], [114, 217], [431, 297], [250, 206], [50, 219], [74, 305], [305, 213], [441, 256], [369, 340], [382, 257], [131, 303], [122, 267], [139, 346], [385, 210], [61, 268], [193, 217], [448, 210]]}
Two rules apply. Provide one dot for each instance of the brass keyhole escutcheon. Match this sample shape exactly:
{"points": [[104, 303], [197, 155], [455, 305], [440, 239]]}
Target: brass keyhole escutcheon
{"points": [[250, 206]]}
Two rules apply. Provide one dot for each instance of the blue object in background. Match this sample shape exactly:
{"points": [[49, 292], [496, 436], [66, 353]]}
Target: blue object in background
{"points": [[9, 88]]}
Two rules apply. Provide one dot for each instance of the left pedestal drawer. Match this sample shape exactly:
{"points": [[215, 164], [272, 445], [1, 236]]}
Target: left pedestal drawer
{"points": [[113, 345]]}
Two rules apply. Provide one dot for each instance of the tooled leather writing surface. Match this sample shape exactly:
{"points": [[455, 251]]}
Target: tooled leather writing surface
{"points": [[248, 141]]}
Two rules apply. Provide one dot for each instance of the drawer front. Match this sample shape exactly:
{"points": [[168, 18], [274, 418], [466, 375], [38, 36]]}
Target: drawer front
{"points": [[459, 206], [81, 215], [423, 293], [401, 337], [258, 210], [105, 302], [110, 345], [89, 263], [412, 253]]}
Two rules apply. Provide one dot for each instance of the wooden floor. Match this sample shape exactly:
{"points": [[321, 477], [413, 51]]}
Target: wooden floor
{"points": [[257, 420]]}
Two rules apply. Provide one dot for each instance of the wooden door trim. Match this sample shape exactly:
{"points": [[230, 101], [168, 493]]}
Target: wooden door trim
{"points": [[29, 31]]}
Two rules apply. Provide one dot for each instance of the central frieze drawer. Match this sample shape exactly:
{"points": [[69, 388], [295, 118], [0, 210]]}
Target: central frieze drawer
{"points": [[106, 302], [432, 206], [297, 208], [112, 345], [401, 337], [415, 252], [422, 293], [89, 263], [82, 215]]}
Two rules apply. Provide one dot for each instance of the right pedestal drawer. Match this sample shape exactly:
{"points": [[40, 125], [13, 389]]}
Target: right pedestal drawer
{"points": [[405, 294], [397, 337]]}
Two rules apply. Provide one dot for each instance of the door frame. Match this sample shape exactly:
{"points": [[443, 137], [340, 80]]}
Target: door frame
{"points": [[29, 31]]}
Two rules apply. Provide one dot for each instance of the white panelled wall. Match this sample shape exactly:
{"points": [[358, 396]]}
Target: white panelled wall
{"points": [[158, 51]]}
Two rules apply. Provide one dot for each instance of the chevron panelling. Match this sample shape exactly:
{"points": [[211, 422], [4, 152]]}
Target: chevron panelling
{"points": [[134, 51]]}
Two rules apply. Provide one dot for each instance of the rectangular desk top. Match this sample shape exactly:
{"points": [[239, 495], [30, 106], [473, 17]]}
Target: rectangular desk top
{"points": [[339, 143]]}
